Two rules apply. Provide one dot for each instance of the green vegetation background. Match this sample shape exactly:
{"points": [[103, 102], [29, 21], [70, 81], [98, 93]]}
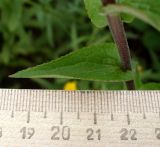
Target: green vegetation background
{"points": [[36, 31]]}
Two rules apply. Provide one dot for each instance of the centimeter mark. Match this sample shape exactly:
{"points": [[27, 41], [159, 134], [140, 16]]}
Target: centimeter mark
{"points": [[80, 101]]}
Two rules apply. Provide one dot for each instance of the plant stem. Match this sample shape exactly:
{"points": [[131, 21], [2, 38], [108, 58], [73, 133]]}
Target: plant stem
{"points": [[119, 36]]}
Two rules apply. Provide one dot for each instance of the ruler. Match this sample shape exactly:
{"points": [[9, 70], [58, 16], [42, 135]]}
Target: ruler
{"points": [[48, 118]]}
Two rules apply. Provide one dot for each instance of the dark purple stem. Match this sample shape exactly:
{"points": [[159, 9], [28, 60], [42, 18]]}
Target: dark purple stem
{"points": [[119, 36]]}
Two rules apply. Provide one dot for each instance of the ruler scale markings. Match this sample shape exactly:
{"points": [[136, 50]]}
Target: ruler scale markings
{"points": [[127, 107], [61, 118], [97, 104], [12, 114], [49, 100], [104, 102], [90, 103], [38, 101], [65, 101], [68, 102], [77, 101], [10, 104], [4, 102], [139, 102], [71, 104], [152, 108], [7, 101], [29, 105], [89, 97], [58, 101], [127, 104], [111, 110], [109, 102], [95, 118], [114, 102], [87, 103], [147, 101], [78, 104], [143, 102], [130, 100], [74, 101], [43, 101], [157, 100], [133, 102], [153, 102], [118, 101], [128, 119], [84, 101], [46, 106], [98, 96], [34, 107], [138, 106], [106, 95], [94, 103], [122, 100], [100, 102], [83, 98], [16, 99], [62, 105], [78, 115], [54, 100], [22, 101], [69, 107], [156, 104]]}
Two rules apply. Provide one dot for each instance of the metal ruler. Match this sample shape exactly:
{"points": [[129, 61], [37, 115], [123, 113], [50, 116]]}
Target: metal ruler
{"points": [[46, 118]]}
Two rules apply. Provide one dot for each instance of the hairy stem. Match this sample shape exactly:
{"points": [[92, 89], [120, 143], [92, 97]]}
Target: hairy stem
{"points": [[119, 36]]}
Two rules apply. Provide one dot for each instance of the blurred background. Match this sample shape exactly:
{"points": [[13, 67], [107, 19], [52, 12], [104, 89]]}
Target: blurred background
{"points": [[37, 31]]}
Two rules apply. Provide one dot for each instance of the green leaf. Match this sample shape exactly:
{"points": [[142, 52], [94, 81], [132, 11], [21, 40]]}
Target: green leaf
{"points": [[151, 86], [94, 10], [146, 10], [97, 63]]}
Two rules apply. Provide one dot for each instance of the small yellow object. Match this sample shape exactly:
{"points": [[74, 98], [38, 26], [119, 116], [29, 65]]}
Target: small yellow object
{"points": [[139, 68], [72, 85]]}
